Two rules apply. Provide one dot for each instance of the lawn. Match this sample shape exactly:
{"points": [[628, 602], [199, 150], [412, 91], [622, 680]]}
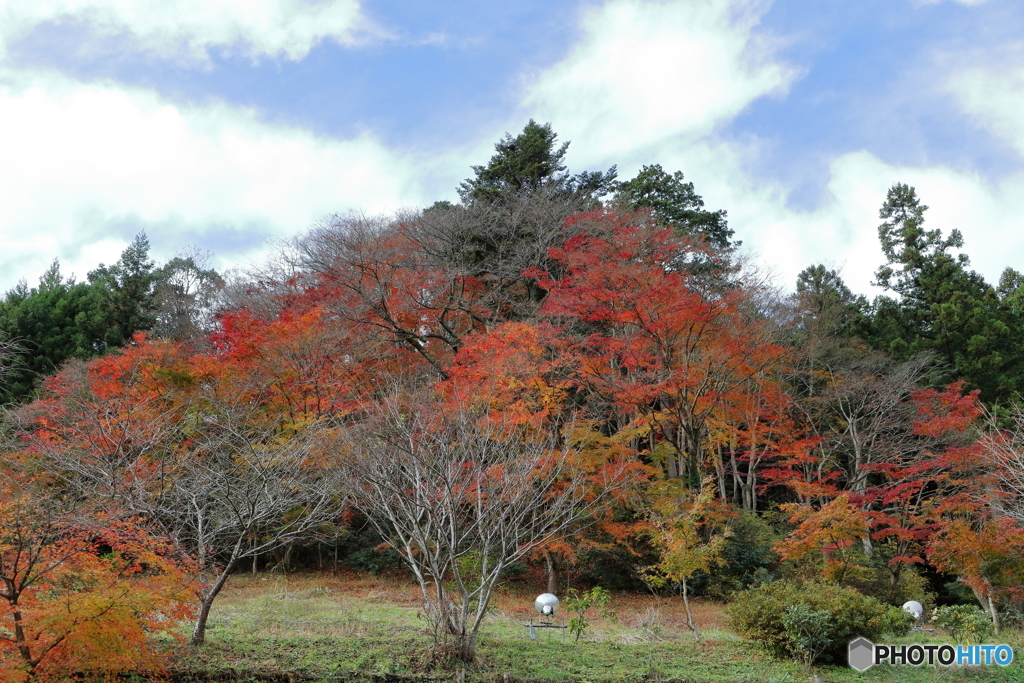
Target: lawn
{"points": [[359, 627]]}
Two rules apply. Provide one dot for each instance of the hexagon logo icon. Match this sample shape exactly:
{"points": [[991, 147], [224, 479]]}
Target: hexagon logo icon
{"points": [[861, 654]]}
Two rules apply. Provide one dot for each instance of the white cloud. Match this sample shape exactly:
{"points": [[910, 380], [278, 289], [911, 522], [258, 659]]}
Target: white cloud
{"points": [[652, 81], [189, 28], [994, 96], [842, 231], [647, 72], [86, 165]]}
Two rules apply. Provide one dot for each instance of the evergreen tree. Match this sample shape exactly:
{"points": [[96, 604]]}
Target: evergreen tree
{"points": [[826, 306], [942, 307], [62, 319], [126, 295], [529, 162], [674, 203], [49, 324]]}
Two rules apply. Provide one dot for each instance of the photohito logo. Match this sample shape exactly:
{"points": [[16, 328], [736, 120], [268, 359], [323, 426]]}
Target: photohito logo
{"points": [[863, 654]]}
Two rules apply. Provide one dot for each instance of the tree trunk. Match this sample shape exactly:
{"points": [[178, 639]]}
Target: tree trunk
{"points": [[690, 621], [19, 635], [994, 611], [552, 565], [987, 603], [720, 471], [199, 631], [286, 563]]}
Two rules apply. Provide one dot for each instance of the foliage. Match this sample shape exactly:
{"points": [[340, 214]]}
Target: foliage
{"points": [[943, 307], [525, 164], [965, 623], [691, 537], [126, 294], [809, 630], [83, 592], [987, 555], [186, 296], [580, 605], [758, 615], [607, 368], [673, 203], [833, 530], [462, 498], [62, 319], [748, 557]]}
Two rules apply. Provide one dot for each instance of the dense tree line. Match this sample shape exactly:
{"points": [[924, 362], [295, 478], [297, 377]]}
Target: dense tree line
{"points": [[61, 319], [587, 352]]}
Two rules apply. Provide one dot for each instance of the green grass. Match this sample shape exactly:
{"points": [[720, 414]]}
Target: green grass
{"points": [[360, 628]]}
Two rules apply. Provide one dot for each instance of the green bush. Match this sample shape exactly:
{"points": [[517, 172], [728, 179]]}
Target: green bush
{"points": [[747, 559], [760, 615], [810, 630], [580, 604], [966, 623]]}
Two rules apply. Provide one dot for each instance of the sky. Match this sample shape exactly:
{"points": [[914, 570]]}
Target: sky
{"points": [[230, 125]]}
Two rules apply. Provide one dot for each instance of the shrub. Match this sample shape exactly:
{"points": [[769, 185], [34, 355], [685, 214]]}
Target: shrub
{"points": [[747, 558], [810, 630], [760, 615], [966, 623], [580, 604]]}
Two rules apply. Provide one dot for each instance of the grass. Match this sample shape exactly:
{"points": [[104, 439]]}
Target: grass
{"points": [[354, 627]]}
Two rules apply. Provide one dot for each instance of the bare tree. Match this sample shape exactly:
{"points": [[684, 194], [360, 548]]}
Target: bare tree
{"points": [[187, 294], [460, 500], [246, 491], [9, 352], [1003, 442], [216, 476]]}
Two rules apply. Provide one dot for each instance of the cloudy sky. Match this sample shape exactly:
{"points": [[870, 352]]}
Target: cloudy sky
{"points": [[227, 124]]}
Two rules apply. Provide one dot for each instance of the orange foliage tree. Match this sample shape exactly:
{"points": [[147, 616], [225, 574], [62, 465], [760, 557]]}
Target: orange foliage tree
{"points": [[657, 345], [930, 475], [82, 592]]}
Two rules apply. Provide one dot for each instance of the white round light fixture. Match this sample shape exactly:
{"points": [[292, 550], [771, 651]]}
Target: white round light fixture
{"points": [[546, 604], [913, 608]]}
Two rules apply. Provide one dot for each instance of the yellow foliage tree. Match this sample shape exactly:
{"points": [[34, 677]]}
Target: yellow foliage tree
{"points": [[691, 532]]}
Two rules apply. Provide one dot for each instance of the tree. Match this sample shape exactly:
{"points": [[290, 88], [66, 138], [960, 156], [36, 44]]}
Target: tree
{"points": [[245, 490], [494, 242], [654, 343], [196, 445], [691, 535], [917, 468], [673, 203], [126, 297], [525, 164], [943, 307], [512, 212], [186, 295], [460, 500], [370, 273], [50, 324], [825, 306], [81, 591], [831, 531], [1002, 443], [62, 319], [986, 553], [9, 354]]}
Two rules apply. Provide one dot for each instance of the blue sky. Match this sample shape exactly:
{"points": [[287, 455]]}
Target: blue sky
{"points": [[230, 124]]}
